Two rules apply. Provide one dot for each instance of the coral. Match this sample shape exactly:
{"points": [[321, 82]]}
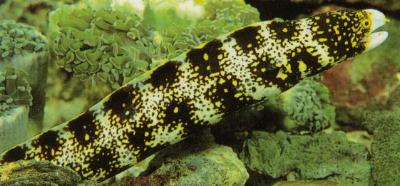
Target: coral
{"points": [[36, 173], [19, 39], [97, 41], [24, 48], [385, 146], [307, 107], [32, 12], [320, 156], [14, 90]]}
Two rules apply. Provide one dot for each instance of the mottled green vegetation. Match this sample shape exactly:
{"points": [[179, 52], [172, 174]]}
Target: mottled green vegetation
{"points": [[36, 173], [308, 106], [18, 39], [301, 157], [14, 90], [32, 12], [385, 146], [103, 43], [305, 108]]}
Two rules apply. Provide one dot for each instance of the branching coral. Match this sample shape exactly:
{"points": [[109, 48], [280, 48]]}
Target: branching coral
{"points": [[308, 107], [96, 40], [14, 90], [19, 39]]}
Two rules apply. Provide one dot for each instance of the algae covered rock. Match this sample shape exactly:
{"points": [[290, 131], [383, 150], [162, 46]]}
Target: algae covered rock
{"points": [[318, 156], [216, 165], [195, 161], [36, 173], [385, 146]]}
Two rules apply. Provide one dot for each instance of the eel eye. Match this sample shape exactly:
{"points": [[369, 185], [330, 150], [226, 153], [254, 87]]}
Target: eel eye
{"points": [[366, 23]]}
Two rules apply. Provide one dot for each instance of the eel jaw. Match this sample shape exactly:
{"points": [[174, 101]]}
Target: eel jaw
{"points": [[375, 39]]}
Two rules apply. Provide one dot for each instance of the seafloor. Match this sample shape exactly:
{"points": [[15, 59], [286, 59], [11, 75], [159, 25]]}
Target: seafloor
{"points": [[339, 128]]}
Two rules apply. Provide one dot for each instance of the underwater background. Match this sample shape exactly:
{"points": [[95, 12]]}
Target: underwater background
{"points": [[60, 57]]}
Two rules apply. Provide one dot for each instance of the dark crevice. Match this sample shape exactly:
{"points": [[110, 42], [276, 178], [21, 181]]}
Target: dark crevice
{"points": [[270, 9]]}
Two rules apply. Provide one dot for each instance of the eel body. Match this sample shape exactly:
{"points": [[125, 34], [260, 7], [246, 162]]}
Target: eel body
{"points": [[198, 88]]}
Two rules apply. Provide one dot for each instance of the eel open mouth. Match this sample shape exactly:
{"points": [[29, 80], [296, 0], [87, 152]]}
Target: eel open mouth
{"points": [[374, 39]]}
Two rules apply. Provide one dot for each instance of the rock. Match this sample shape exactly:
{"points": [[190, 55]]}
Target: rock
{"points": [[197, 161], [23, 173], [385, 146], [306, 183], [319, 156], [13, 127], [217, 165], [15, 99]]}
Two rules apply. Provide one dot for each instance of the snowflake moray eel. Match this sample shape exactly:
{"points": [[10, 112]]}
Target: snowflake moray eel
{"points": [[198, 88]]}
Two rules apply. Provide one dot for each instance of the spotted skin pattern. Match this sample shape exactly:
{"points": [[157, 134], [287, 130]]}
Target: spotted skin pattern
{"points": [[196, 90]]}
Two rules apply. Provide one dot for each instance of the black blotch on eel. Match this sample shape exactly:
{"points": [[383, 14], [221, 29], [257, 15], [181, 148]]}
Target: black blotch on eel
{"points": [[83, 126], [246, 37], [15, 154], [196, 57], [48, 141], [165, 74]]}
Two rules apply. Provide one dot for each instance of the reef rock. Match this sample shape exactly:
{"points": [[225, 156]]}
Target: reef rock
{"points": [[36, 173], [320, 156], [197, 161]]}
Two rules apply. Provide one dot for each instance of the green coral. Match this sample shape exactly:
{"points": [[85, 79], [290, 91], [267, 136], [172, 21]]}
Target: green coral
{"points": [[19, 39], [320, 156], [101, 42], [307, 106], [385, 146], [14, 90]]}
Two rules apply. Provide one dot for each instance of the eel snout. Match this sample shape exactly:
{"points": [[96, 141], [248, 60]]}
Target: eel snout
{"points": [[378, 19]]}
